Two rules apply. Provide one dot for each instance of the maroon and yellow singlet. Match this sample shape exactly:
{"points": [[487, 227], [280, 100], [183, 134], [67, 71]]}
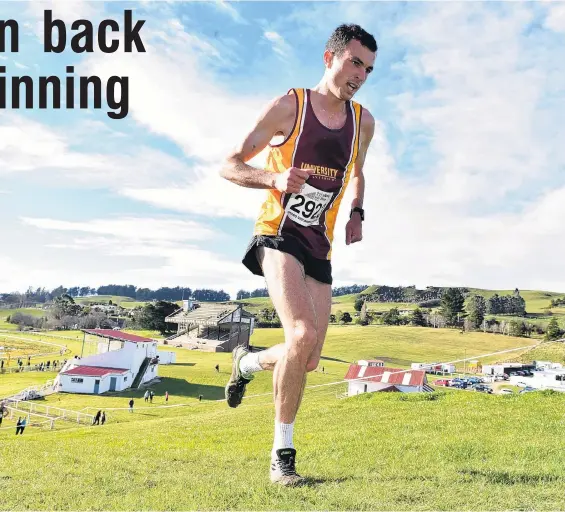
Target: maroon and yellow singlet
{"points": [[310, 215]]}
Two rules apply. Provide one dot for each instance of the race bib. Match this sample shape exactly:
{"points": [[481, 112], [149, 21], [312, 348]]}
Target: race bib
{"points": [[306, 207]]}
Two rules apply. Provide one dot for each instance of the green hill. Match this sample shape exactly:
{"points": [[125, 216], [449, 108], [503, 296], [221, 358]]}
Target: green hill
{"points": [[450, 450]]}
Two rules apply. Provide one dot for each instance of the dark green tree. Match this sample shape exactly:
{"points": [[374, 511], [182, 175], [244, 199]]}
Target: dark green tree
{"points": [[417, 318], [392, 317], [153, 316], [359, 301], [452, 305], [476, 310], [553, 331]]}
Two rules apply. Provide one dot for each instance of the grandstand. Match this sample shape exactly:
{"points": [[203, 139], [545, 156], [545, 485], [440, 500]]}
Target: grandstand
{"points": [[211, 327]]}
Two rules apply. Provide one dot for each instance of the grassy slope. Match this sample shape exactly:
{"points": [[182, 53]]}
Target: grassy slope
{"points": [[380, 451]]}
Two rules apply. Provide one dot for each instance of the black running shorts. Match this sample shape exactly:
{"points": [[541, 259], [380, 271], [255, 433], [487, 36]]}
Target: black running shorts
{"points": [[318, 269]]}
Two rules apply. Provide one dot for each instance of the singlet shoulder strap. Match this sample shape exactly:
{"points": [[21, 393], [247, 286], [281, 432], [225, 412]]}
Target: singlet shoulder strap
{"points": [[300, 97], [358, 110]]}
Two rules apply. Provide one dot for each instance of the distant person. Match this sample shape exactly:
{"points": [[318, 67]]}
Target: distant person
{"points": [[151, 395], [166, 396], [21, 425], [131, 405], [103, 419], [217, 368], [97, 418], [146, 395]]}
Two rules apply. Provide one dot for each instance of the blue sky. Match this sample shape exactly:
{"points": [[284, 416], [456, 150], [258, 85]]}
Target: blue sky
{"points": [[465, 176]]}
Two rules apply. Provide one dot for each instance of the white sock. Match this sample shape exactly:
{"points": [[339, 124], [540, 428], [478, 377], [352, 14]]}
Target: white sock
{"points": [[283, 436], [249, 363]]}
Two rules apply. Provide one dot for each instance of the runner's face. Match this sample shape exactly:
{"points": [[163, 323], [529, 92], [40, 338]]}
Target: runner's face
{"points": [[350, 70]]}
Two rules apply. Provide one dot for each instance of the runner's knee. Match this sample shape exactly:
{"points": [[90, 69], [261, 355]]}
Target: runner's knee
{"points": [[303, 338], [304, 335]]}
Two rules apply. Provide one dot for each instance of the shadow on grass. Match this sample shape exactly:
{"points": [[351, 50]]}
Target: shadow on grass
{"points": [[182, 364], [310, 481], [175, 387], [507, 478], [325, 358]]}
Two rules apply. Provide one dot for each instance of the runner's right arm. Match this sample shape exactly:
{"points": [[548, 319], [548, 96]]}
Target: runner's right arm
{"points": [[279, 113]]}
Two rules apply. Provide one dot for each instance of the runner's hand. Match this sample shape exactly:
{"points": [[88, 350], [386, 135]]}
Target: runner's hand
{"points": [[292, 179], [353, 230]]}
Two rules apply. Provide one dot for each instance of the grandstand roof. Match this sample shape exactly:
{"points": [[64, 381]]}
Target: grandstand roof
{"points": [[93, 371], [206, 314], [118, 335]]}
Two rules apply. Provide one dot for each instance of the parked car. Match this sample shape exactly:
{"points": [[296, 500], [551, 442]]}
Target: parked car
{"points": [[527, 389], [506, 391], [483, 389], [442, 382]]}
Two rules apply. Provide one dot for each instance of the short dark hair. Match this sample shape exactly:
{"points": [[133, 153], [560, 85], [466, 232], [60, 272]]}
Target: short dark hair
{"points": [[343, 34]]}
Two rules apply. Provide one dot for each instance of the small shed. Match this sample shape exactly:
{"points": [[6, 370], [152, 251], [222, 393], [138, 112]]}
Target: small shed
{"points": [[95, 379]]}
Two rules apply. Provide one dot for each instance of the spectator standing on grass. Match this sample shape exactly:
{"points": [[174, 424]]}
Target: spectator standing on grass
{"points": [[20, 426], [166, 396], [97, 418], [131, 405], [103, 419], [146, 395], [217, 368], [151, 395]]}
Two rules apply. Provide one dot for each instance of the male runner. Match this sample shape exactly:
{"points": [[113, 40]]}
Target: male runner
{"points": [[326, 137]]}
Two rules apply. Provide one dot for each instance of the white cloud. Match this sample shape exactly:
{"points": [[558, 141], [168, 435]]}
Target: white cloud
{"points": [[280, 46], [176, 96], [208, 194], [29, 146], [131, 228], [482, 115], [150, 252], [228, 8], [555, 16]]}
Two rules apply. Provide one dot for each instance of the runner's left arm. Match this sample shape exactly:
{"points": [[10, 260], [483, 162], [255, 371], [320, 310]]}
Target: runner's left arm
{"points": [[358, 178], [353, 229]]}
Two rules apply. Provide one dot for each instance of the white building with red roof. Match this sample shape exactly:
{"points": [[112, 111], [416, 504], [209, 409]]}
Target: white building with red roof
{"points": [[122, 361], [368, 377]]}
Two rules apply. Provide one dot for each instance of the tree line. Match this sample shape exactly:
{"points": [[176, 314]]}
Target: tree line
{"points": [[65, 314], [407, 294], [43, 295], [458, 310]]}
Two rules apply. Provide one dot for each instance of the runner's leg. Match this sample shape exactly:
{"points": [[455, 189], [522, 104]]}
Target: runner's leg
{"points": [[294, 305]]}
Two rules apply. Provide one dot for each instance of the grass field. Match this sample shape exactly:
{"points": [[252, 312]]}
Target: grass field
{"points": [[450, 450]]}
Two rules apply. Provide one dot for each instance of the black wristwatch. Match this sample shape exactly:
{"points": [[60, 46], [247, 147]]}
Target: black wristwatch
{"points": [[357, 209]]}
